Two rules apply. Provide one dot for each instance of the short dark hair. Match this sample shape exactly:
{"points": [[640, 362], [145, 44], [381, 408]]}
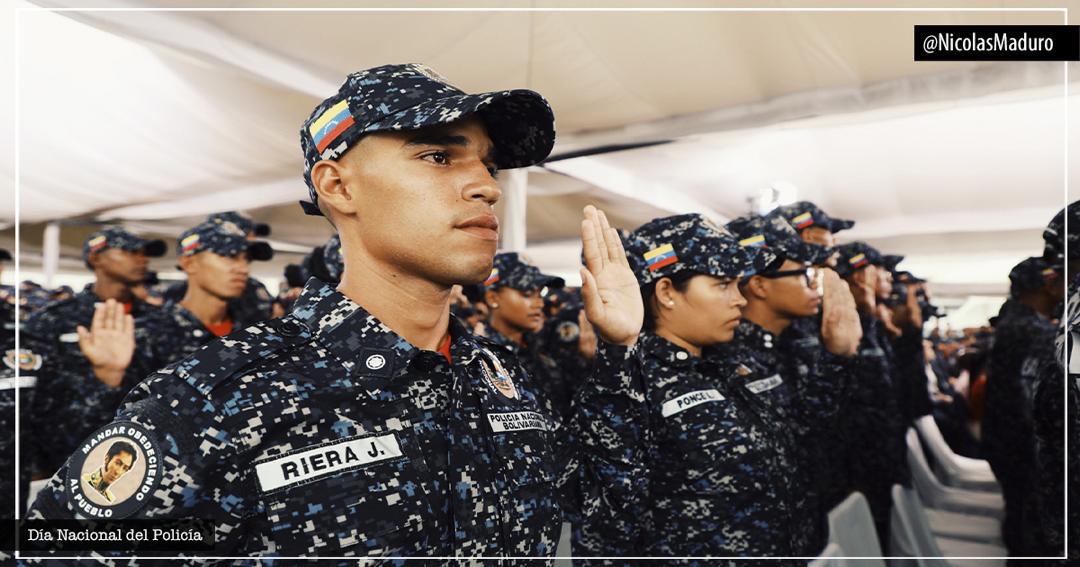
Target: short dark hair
{"points": [[122, 447], [679, 281]]}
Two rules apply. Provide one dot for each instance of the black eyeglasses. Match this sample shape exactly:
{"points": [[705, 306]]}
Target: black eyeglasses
{"points": [[810, 274]]}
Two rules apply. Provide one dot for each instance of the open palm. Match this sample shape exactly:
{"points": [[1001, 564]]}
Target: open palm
{"points": [[609, 288], [109, 343]]}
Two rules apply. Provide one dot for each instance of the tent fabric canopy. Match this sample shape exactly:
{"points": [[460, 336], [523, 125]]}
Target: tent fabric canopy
{"points": [[155, 118]]}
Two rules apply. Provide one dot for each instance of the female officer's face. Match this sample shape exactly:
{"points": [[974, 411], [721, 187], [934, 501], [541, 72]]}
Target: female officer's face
{"points": [[706, 312], [522, 310], [422, 202]]}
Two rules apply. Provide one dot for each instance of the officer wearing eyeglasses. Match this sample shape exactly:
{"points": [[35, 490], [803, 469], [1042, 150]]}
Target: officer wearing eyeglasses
{"points": [[797, 389]]}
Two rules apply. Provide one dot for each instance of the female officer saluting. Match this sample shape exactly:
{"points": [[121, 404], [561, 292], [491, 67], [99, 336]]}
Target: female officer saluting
{"points": [[715, 472]]}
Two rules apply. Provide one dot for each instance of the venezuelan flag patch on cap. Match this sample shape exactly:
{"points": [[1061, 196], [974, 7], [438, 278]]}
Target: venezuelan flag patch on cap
{"points": [[755, 241], [858, 260], [327, 127], [494, 277], [804, 220], [660, 256], [190, 243], [97, 243]]}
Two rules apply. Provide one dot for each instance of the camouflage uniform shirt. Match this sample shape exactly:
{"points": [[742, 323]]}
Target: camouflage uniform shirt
{"points": [[324, 433]]}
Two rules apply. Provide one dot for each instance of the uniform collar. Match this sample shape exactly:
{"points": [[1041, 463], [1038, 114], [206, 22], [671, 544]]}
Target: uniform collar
{"points": [[666, 351], [358, 339], [755, 336]]}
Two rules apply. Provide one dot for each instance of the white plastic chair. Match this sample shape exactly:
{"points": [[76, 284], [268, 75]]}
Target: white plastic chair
{"points": [[830, 557], [911, 537], [980, 529], [936, 495], [851, 526], [955, 470]]}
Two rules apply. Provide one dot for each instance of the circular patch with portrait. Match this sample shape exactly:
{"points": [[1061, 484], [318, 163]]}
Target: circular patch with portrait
{"points": [[114, 471]]}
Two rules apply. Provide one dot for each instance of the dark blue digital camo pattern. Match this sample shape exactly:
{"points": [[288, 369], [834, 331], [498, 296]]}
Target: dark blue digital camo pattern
{"points": [[223, 238], [519, 122], [1057, 411], [817, 217], [717, 471], [798, 393], [68, 391], [776, 241], [509, 269], [852, 256], [186, 333], [331, 372], [1029, 275], [1055, 236], [117, 237], [875, 426], [245, 222], [335, 262], [26, 363], [699, 245], [1008, 428]]}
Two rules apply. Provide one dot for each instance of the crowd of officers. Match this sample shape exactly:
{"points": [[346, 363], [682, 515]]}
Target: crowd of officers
{"points": [[745, 380]]}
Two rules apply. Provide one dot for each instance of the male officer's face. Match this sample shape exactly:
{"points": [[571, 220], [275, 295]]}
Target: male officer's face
{"points": [[424, 200], [224, 277], [523, 310], [125, 266], [117, 466], [818, 235], [793, 296], [884, 282]]}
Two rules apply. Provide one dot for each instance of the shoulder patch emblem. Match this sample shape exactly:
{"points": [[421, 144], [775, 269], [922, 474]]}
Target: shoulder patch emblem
{"points": [[114, 472], [496, 376], [568, 331], [23, 360]]}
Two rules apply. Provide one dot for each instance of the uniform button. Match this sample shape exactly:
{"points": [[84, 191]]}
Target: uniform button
{"points": [[197, 332], [375, 362], [290, 329], [681, 355]]}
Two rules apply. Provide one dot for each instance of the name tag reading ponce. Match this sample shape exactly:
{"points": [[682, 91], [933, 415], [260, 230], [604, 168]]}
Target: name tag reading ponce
{"points": [[689, 400], [325, 460]]}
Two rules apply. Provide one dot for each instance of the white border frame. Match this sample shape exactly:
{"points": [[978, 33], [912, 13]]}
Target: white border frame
{"points": [[16, 36]]}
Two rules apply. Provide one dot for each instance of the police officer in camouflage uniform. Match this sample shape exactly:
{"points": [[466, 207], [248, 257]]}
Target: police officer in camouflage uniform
{"points": [[514, 293], [215, 257], [797, 385], [367, 422], [256, 303], [716, 470], [7, 302], [18, 376], [1023, 327], [1055, 414], [86, 374], [874, 426], [813, 224]]}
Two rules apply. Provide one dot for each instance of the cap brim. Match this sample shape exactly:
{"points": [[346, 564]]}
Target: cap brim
{"points": [[154, 248], [260, 251], [520, 122], [836, 225], [261, 229]]}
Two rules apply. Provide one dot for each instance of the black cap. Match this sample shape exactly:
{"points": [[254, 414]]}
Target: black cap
{"points": [[805, 214], [412, 96], [511, 270]]}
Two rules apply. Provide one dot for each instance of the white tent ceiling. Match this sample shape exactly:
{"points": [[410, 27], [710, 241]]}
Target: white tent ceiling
{"points": [[158, 117]]}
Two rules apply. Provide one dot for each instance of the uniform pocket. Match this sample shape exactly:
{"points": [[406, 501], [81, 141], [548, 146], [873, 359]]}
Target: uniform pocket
{"points": [[356, 497]]}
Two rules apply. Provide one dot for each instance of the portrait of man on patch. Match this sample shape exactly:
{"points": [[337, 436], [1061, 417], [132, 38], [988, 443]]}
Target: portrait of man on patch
{"points": [[102, 476]]}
